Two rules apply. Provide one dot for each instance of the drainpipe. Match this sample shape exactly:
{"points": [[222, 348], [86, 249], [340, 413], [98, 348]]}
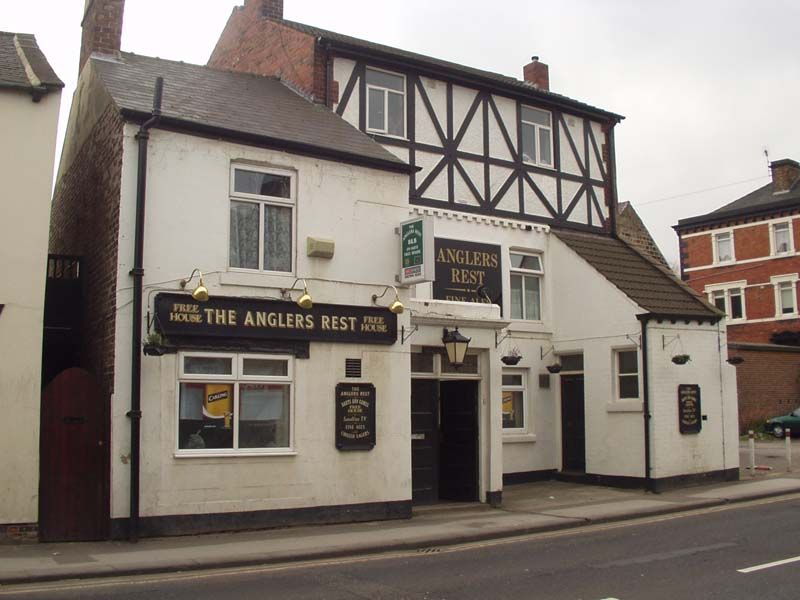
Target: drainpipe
{"points": [[648, 482], [137, 272]]}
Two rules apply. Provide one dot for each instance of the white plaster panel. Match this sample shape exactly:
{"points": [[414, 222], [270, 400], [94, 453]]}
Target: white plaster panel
{"points": [[569, 190], [580, 213], [342, 70], [27, 147], [474, 170], [509, 200], [547, 185], [594, 166], [533, 205], [498, 148], [569, 162], [463, 195], [437, 94], [600, 193], [438, 188], [462, 102]]}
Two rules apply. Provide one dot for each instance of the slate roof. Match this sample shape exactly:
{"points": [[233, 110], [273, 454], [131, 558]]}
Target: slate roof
{"points": [[760, 201], [18, 50], [653, 288], [239, 105], [435, 63]]}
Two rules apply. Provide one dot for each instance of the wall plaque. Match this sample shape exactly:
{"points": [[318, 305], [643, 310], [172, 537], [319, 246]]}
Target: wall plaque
{"points": [[468, 272], [689, 413], [355, 416], [180, 315]]}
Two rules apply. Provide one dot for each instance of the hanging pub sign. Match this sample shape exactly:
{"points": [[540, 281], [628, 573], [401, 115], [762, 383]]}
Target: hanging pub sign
{"points": [[689, 417], [468, 272], [253, 318], [416, 250], [355, 416]]}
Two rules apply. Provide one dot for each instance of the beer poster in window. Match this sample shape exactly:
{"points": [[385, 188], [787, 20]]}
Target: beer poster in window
{"points": [[218, 404], [355, 416], [468, 272], [689, 413]]}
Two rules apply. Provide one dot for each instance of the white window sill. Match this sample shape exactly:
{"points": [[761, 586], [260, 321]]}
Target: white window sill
{"points": [[786, 316], [387, 135], [518, 438], [530, 326], [238, 454], [624, 406]]}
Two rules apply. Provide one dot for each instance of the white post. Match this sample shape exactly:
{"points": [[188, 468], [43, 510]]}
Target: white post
{"points": [[752, 443], [788, 450]]}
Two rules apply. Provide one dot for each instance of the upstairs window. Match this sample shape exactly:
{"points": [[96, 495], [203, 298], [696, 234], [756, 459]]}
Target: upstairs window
{"points": [[723, 247], [730, 301], [526, 283], [386, 103], [261, 220], [782, 238], [537, 136], [785, 295]]}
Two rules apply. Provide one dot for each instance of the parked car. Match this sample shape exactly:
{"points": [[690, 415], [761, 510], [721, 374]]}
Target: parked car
{"points": [[777, 426]]}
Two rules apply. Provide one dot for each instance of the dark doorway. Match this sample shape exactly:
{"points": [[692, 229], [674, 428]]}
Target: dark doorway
{"points": [[444, 440], [73, 482], [573, 429]]}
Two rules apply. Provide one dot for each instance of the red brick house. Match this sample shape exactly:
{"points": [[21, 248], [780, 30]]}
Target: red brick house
{"points": [[744, 257]]}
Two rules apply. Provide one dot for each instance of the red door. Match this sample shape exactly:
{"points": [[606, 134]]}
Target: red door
{"points": [[73, 481]]}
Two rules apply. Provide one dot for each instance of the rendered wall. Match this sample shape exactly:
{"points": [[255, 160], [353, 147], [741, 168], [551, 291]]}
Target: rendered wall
{"points": [[27, 147]]}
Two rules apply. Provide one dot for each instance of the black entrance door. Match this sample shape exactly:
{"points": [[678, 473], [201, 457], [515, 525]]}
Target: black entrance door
{"points": [[573, 431], [458, 446], [424, 441]]}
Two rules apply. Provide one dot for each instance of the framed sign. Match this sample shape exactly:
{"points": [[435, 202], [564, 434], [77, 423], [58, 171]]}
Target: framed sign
{"points": [[355, 416], [468, 272], [689, 413], [416, 250]]}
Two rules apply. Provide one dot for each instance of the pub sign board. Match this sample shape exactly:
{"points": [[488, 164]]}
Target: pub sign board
{"points": [[355, 416], [689, 413], [256, 318], [416, 250], [468, 272]]}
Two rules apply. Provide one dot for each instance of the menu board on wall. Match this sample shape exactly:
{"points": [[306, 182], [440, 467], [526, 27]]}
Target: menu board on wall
{"points": [[689, 413], [355, 416]]}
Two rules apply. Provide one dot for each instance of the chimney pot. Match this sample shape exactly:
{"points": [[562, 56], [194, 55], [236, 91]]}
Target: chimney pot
{"points": [[537, 74], [785, 173]]}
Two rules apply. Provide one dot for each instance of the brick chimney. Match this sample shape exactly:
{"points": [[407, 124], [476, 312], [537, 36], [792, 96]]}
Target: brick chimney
{"points": [[271, 9], [102, 28], [537, 73], [784, 173]]}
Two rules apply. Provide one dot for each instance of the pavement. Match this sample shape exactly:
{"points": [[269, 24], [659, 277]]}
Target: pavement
{"points": [[527, 509]]}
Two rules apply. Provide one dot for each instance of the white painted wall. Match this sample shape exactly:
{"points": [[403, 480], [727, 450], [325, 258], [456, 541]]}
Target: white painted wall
{"points": [[27, 148], [187, 228]]}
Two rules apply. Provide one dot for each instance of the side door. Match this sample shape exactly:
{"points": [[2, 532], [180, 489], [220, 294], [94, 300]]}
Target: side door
{"points": [[424, 441]]}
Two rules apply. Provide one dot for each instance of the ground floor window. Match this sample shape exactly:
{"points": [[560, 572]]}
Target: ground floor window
{"points": [[514, 401], [234, 403], [627, 368]]}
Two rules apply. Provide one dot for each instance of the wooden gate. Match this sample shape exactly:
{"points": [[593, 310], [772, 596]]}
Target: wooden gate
{"points": [[73, 482]]}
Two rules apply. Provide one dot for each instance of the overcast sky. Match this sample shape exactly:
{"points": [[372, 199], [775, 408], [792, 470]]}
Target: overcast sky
{"points": [[705, 86]]}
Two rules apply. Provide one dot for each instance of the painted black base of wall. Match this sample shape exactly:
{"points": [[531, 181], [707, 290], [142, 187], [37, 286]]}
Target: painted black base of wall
{"points": [[679, 481], [263, 519], [494, 499], [528, 476]]}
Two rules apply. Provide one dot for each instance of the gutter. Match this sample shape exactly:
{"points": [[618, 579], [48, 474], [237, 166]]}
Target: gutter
{"points": [[137, 272], [648, 482]]}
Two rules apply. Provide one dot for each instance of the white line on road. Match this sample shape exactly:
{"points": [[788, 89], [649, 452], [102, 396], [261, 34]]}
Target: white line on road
{"points": [[777, 563]]}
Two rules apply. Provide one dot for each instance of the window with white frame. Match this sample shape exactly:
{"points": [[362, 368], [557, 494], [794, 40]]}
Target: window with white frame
{"points": [[627, 374], [234, 403], [782, 238], [723, 247], [514, 400], [785, 295], [537, 136], [729, 300], [261, 219], [386, 102], [526, 286]]}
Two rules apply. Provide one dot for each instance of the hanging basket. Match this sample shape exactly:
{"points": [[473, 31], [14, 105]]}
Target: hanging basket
{"points": [[556, 368], [681, 359], [511, 359], [154, 350]]}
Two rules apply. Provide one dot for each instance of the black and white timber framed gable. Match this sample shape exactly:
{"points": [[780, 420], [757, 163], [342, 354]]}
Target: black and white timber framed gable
{"points": [[503, 150]]}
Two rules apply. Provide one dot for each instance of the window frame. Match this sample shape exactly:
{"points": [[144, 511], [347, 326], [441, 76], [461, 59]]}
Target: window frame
{"points": [[779, 282], [773, 238], [536, 136], [522, 387], [386, 91], [524, 273], [715, 246], [236, 378], [262, 201], [617, 352], [727, 290]]}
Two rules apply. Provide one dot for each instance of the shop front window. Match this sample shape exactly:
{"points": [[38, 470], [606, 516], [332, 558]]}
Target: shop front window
{"points": [[233, 403]]}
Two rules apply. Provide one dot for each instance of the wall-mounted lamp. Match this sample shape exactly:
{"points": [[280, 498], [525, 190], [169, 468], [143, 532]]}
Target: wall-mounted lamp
{"points": [[396, 306], [304, 301], [456, 346], [200, 293]]}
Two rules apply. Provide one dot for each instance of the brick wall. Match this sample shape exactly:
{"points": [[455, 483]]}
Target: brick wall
{"points": [[632, 230], [751, 242], [251, 43], [768, 382], [85, 222], [697, 251], [102, 28]]}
